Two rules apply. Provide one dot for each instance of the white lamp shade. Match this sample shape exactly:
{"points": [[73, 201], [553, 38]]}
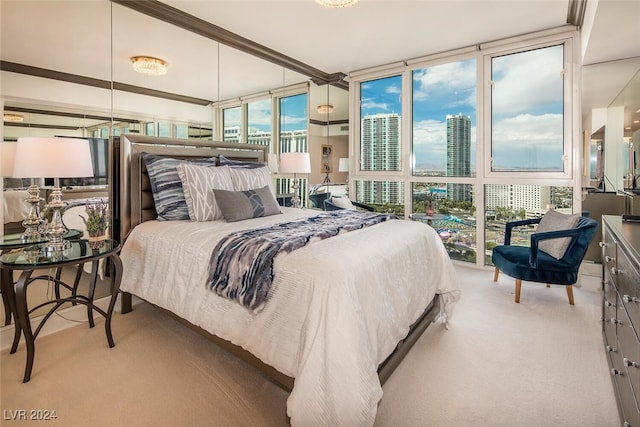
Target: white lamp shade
{"points": [[52, 158], [295, 163], [343, 164], [7, 158]]}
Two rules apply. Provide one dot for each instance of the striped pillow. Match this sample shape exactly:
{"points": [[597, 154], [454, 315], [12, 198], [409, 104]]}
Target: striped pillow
{"points": [[167, 187], [251, 178], [198, 183]]}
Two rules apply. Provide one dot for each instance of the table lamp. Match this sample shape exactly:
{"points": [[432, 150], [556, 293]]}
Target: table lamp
{"points": [[53, 158], [295, 163]]}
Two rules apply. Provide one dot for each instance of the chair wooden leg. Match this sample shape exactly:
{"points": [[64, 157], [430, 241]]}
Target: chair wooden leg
{"points": [[570, 294], [518, 287], [495, 274]]}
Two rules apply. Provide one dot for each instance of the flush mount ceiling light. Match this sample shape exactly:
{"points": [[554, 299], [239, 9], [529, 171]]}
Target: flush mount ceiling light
{"points": [[149, 65], [325, 108], [13, 118], [337, 3]]}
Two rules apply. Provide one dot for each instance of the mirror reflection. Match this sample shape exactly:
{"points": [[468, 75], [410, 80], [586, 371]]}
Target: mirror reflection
{"points": [[207, 93], [629, 101]]}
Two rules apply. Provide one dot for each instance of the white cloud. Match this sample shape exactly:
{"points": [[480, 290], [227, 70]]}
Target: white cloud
{"points": [[260, 113], [449, 81], [527, 130], [372, 105], [527, 80]]}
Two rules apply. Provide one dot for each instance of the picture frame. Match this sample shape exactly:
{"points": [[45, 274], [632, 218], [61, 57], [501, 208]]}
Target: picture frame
{"points": [[326, 166]]}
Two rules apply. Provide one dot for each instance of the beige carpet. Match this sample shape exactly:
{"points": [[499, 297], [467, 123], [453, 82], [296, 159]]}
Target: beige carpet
{"points": [[538, 363]]}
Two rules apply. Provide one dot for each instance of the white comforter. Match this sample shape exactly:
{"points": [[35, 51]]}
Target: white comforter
{"points": [[337, 309], [15, 209]]}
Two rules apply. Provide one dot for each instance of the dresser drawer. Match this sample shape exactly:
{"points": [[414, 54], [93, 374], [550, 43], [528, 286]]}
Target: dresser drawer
{"points": [[626, 396], [627, 280]]}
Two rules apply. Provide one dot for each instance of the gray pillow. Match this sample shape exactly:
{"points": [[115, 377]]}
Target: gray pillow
{"points": [[239, 205], [554, 221], [166, 185]]}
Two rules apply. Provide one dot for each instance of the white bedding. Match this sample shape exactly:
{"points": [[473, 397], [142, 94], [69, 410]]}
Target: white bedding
{"points": [[337, 308], [15, 209]]}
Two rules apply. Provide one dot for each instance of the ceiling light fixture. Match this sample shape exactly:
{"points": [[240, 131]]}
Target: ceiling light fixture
{"points": [[13, 118], [149, 65], [325, 108], [337, 3]]}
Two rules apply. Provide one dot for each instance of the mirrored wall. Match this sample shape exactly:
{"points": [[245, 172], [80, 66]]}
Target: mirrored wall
{"points": [[83, 85]]}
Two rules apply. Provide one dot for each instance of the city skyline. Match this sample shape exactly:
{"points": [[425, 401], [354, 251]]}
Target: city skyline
{"points": [[527, 119]]}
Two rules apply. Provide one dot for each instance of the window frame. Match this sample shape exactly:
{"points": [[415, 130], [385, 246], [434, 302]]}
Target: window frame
{"points": [[567, 110], [572, 137]]}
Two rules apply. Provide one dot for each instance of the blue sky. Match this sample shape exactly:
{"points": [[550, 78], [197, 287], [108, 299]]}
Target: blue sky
{"points": [[527, 108]]}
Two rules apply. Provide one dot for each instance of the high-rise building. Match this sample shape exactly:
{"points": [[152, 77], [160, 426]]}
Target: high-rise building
{"points": [[534, 199], [380, 151], [380, 145], [459, 155]]}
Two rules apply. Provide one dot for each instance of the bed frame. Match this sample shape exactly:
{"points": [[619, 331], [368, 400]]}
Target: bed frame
{"points": [[136, 206]]}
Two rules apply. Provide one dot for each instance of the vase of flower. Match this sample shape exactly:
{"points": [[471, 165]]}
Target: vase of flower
{"points": [[96, 222]]}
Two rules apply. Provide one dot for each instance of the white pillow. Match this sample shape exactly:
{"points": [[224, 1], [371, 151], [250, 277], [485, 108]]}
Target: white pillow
{"points": [[554, 221], [198, 183], [343, 202], [250, 178]]}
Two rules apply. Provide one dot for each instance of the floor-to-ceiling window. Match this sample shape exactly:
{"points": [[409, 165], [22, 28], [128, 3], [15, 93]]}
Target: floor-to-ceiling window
{"points": [[293, 137], [468, 140]]}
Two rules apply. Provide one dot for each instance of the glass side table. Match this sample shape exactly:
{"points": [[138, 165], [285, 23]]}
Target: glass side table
{"points": [[14, 241], [30, 258]]}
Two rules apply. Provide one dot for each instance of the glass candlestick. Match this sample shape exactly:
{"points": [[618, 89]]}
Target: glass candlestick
{"points": [[33, 222], [55, 229]]}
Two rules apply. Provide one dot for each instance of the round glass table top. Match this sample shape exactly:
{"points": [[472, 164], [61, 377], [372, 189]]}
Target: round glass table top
{"points": [[15, 240], [39, 255]]}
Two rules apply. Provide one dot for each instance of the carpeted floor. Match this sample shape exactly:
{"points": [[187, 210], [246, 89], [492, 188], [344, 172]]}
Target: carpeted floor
{"points": [[537, 363]]}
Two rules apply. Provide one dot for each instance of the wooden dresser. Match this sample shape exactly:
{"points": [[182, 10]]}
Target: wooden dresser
{"points": [[621, 312]]}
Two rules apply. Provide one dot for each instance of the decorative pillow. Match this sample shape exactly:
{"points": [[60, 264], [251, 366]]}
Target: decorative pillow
{"points": [[239, 205], [239, 164], [554, 221], [251, 178], [343, 202], [166, 185], [198, 183]]}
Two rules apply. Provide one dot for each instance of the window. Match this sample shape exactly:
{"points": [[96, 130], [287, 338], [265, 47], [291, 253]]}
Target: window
{"points": [[380, 124], [490, 138], [453, 219], [527, 111], [507, 202], [444, 118], [293, 138], [231, 124], [150, 129], [259, 122], [182, 131], [383, 196], [164, 129], [293, 123]]}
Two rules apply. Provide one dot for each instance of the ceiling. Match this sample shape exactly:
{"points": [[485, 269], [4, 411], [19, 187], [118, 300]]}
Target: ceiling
{"points": [[95, 39]]}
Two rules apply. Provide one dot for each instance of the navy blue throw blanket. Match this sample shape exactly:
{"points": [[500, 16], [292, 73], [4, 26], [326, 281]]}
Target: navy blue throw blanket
{"points": [[241, 265]]}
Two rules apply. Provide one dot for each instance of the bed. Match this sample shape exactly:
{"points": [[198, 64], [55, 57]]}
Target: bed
{"points": [[341, 313]]}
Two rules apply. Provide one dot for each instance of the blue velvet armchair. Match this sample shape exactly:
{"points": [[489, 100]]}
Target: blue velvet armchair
{"points": [[535, 265]]}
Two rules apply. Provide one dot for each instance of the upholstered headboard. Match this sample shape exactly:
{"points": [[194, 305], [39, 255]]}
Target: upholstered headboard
{"points": [[136, 199]]}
